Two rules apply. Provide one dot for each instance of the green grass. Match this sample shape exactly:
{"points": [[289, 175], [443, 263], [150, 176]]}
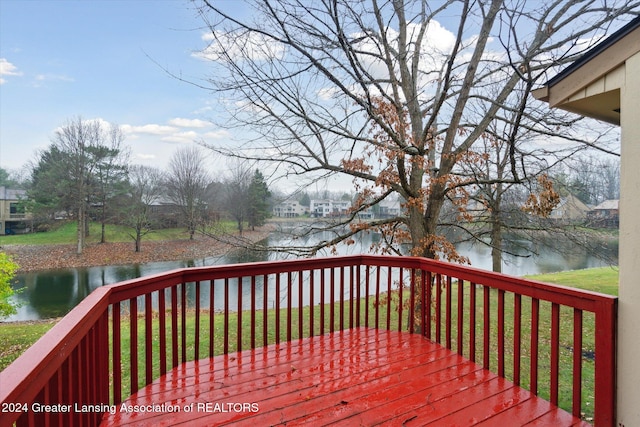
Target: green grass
{"points": [[16, 337], [65, 233], [603, 279]]}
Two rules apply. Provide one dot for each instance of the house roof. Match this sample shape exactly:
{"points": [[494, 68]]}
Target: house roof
{"points": [[597, 50], [591, 85], [607, 205]]}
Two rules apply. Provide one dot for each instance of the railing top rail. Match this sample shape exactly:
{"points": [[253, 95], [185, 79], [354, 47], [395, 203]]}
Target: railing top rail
{"points": [[519, 285], [30, 372], [583, 299]]}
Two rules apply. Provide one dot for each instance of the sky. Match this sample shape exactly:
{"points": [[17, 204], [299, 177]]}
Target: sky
{"points": [[102, 59], [111, 60]]}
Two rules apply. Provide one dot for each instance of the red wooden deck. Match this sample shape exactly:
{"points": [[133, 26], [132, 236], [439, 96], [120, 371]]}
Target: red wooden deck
{"points": [[353, 377]]}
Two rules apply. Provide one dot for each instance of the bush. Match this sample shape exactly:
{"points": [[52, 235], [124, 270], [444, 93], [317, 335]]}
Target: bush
{"points": [[8, 270]]}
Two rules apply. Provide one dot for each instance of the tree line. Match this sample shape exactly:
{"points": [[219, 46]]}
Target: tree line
{"points": [[85, 174]]}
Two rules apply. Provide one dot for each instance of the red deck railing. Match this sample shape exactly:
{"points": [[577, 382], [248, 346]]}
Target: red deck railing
{"points": [[123, 336]]}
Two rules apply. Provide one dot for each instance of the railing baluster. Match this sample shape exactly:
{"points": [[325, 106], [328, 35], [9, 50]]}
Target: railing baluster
{"points": [[377, 313], [448, 312], [427, 303], [148, 339], [366, 297], [341, 298], [239, 340], [472, 321], [196, 339], [517, 340], [311, 302], [133, 344], [438, 291], [358, 292], [351, 292], [486, 334], [555, 353], [389, 280], [400, 301], [225, 344], [332, 283], [412, 301], [183, 322], [460, 326], [277, 319], [535, 328], [577, 362], [300, 303], [174, 326], [265, 310], [252, 315], [322, 300], [289, 303], [501, 337], [212, 310], [116, 353], [162, 326]]}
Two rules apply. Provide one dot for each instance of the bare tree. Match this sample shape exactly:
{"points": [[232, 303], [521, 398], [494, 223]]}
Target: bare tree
{"points": [[236, 194], [381, 92], [145, 188], [187, 183]]}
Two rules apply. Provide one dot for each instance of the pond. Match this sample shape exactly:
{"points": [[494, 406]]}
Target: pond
{"points": [[53, 293]]}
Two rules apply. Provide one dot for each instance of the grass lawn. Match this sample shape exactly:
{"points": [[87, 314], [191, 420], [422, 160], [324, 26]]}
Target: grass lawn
{"points": [[603, 279], [65, 233]]}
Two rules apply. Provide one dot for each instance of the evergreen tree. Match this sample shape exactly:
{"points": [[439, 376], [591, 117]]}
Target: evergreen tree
{"points": [[258, 203]]}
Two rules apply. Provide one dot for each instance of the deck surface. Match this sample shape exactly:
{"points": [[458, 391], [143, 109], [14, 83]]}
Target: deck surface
{"points": [[354, 377]]}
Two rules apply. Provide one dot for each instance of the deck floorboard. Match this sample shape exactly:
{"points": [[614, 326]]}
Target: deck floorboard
{"points": [[354, 377]]}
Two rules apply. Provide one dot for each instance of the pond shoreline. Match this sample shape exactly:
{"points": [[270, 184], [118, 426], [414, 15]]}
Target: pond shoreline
{"points": [[46, 257]]}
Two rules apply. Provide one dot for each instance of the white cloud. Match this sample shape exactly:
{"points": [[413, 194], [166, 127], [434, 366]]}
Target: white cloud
{"points": [[238, 46], [189, 123], [143, 156], [218, 134], [150, 129], [7, 69], [181, 137], [54, 77]]}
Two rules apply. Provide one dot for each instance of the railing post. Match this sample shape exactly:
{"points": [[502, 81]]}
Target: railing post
{"points": [[605, 371]]}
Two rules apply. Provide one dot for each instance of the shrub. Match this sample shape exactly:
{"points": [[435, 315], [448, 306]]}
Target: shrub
{"points": [[8, 270]]}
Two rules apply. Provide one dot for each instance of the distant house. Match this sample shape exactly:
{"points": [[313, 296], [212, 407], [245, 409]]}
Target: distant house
{"points": [[165, 213], [288, 209], [324, 208], [570, 210], [389, 208], [606, 214], [13, 216]]}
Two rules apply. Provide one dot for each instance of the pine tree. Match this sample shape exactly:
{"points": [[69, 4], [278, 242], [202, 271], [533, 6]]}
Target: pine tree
{"points": [[258, 203]]}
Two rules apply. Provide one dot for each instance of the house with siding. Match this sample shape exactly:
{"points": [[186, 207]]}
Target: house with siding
{"points": [[14, 219], [605, 84]]}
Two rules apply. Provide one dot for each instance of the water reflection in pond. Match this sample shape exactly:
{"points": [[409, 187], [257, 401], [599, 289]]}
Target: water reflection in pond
{"points": [[54, 293]]}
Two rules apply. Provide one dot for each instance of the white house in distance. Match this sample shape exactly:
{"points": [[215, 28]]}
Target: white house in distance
{"points": [[324, 208], [605, 84], [288, 209]]}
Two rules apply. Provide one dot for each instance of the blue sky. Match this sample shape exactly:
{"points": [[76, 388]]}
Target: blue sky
{"points": [[102, 59]]}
